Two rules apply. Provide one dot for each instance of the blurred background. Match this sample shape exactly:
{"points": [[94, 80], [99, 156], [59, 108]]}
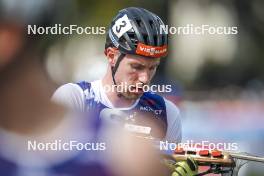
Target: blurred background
{"points": [[218, 80]]}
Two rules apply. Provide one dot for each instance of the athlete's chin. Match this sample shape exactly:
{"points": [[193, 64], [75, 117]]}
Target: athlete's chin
{"points": [[132, 95]]}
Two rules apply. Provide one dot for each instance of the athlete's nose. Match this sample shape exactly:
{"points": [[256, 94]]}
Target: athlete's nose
{"points": [[144, 77]]}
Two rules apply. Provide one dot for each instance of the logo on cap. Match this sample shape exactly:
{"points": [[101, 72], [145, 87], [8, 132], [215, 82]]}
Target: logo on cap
{"points": [[151, 51]]}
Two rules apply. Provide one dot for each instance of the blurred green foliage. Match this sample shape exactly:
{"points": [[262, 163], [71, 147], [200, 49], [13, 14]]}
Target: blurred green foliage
{"points": [[101, 12]]}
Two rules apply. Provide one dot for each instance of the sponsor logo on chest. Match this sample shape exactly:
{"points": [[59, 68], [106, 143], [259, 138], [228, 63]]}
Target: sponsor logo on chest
{"points": [[149, 109]]}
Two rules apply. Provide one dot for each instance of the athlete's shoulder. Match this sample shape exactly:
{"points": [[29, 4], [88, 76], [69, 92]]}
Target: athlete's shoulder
{"points": [[174, 131], [170, 106], [84, 85], [69, 89], [70, 95]]}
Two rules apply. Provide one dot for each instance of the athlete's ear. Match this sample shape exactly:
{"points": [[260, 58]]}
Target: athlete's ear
{"points": [[111, 54]]}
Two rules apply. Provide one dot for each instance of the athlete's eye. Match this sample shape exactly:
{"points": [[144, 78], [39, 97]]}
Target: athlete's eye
{"points": [[137, 66]]}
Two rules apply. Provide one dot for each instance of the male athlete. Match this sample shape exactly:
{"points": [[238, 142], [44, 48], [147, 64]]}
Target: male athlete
{"points": [[134, 48]]}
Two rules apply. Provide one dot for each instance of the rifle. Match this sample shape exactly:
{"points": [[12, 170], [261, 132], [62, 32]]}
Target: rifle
{"points": [[219, 162]]}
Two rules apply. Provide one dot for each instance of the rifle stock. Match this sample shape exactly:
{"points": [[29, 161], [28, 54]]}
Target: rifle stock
{"points": [[224, 159]]}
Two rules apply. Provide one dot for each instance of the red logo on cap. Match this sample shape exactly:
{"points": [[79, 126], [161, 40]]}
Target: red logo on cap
{"points": [[151, 51]]}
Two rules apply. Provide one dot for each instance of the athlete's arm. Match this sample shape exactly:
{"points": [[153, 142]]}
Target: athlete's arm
{"points": [[71, 96], [174, 130]]}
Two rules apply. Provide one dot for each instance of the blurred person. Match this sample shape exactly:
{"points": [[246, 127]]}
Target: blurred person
{"points": [[28, 115], [25, 90]]}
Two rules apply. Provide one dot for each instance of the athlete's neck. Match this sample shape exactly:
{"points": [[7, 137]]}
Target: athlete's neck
{"points": [[116, 100]]}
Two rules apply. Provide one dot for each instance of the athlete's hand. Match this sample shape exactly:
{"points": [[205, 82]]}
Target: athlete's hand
{"points": [[185, 168]]}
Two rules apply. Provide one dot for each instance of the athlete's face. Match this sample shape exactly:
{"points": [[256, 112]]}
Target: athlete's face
{"points": [[134, 72]]}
